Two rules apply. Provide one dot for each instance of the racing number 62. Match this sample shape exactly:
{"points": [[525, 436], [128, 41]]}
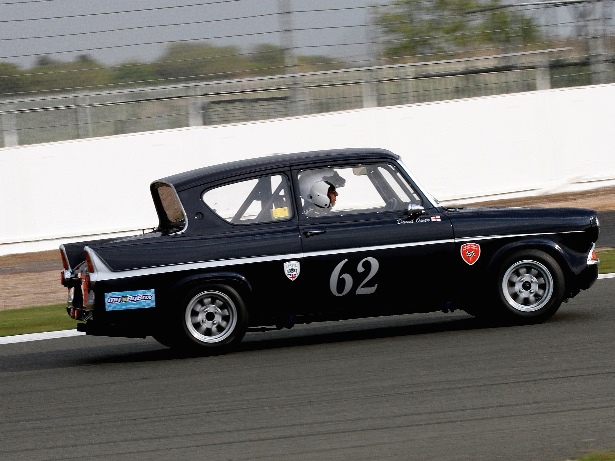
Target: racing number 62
{"points": [[363, 289]]}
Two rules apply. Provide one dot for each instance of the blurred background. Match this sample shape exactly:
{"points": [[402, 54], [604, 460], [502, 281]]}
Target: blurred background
{"points": [[71, 69]]}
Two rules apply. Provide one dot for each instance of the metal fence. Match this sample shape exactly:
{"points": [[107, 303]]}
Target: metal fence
{"points": [[577, 47]]}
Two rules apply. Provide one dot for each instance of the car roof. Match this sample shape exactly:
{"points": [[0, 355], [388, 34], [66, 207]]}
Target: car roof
{"points": [[213, 173]]}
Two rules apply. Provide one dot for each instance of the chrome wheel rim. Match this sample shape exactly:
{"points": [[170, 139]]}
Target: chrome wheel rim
{"points": [[527, 286], [211, 317]]}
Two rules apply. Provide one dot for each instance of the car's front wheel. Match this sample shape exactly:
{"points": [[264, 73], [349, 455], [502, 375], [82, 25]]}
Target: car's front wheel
{"points": [[530, 287]]}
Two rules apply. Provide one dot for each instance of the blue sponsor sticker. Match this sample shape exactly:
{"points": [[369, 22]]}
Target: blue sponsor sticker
{"points": [[125, 300]]}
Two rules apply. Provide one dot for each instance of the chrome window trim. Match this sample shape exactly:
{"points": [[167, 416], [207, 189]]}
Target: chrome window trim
{"points": [[430, 198]]}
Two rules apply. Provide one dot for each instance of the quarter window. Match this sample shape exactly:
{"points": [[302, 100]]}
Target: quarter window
{"points": [[169, 208]]}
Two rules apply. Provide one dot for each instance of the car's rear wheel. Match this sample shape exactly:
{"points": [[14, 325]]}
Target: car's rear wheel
{"points": [[530, 287], [212, 318]]}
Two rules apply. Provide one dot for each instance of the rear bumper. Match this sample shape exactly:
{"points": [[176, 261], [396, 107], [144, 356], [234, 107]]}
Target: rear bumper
{"points": [[116, 331], [79, 313]]}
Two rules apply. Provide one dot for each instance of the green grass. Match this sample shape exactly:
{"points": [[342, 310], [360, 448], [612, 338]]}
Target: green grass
{"points": [[54, 318], [35, 320], [598, 456], [607, 261]]}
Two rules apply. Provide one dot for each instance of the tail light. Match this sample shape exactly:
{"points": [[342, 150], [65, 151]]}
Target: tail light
{"points": [[86, 282], [88, 262], [592, 256], [65, 263], [85, 288]]}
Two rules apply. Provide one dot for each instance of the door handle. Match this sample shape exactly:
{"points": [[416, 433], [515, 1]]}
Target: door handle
{"points": [[311, 233]]}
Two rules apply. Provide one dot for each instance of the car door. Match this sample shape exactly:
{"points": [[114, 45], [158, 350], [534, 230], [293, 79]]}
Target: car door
{"points": [[368, 255], [261, 244]]}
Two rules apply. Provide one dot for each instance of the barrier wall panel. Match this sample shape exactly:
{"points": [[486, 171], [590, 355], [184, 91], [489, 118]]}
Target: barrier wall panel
{"points": [[536, 141]]}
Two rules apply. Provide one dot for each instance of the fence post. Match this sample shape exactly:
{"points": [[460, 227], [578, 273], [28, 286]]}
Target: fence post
{"points": [[543, 75], [195, 108], [8, 122], [370, 90], [597, 55], [290, 60], [84, 116]]}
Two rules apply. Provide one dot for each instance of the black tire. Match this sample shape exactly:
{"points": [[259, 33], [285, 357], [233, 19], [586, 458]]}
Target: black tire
{"points": [[211, 318], [530, 287]]}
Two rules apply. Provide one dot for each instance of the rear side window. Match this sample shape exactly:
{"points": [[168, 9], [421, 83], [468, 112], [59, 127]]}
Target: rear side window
{"points": [[258, 200], [170, 211]]}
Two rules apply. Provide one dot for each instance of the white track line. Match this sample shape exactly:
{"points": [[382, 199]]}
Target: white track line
{"points": [[39, 336]]}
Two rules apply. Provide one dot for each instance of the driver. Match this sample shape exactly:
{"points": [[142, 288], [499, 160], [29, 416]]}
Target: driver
{"points": [[323, 196]]}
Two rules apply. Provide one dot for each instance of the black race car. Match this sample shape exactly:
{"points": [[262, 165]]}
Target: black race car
{"points": [[287, 239]]}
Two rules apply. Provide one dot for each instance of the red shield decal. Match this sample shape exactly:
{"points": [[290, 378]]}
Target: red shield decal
{"points": [[470, 252]]}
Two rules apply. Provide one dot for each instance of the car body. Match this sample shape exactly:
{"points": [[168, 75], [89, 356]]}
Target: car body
{"points": [[242, 245]]}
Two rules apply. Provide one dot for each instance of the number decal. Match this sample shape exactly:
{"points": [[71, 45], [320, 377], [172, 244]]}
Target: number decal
{"points": [[374, 266], [336, 275]]}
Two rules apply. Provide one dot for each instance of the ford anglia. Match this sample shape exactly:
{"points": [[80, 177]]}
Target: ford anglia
{"points": [[281, 240]]}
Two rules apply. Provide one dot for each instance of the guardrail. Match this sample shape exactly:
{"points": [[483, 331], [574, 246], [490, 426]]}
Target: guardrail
{"points": [[57, 117]]}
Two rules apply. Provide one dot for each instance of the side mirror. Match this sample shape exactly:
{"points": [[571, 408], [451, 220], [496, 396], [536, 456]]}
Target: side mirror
{"points": [[415, 210]]}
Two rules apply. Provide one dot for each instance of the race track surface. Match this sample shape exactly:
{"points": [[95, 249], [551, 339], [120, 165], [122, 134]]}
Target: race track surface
{"points": [[606, 239], [424, 387]]}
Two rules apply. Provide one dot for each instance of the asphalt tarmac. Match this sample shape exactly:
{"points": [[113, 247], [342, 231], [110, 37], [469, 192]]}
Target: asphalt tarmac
{"points": [[607, 229], [420, 387]]}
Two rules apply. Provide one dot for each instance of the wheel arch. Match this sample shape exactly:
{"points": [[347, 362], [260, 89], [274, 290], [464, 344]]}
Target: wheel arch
{"points": [[236, 281], [550, 247]]}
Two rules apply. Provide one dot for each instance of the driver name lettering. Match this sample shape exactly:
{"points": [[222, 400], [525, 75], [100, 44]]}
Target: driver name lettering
{"points": [[421, 219]]}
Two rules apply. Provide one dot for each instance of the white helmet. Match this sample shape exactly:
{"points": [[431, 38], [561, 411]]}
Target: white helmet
{"points": [[318, 194]]}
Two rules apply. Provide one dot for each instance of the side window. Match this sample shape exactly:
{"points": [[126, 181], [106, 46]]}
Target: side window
{"points": [[399, 189], [169, 208], [258, 200], [354, 189]]}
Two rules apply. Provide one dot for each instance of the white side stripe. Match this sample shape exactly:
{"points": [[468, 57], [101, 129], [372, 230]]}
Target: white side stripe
{"points": [[497, 237], [110, 275], [105, 273]]}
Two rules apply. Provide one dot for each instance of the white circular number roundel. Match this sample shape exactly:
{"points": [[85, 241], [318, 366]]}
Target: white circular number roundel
{"points": [[363, 289]]}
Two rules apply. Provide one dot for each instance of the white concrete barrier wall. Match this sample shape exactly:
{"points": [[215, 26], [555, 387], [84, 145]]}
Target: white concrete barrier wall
{"points": [[538, 141]]}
